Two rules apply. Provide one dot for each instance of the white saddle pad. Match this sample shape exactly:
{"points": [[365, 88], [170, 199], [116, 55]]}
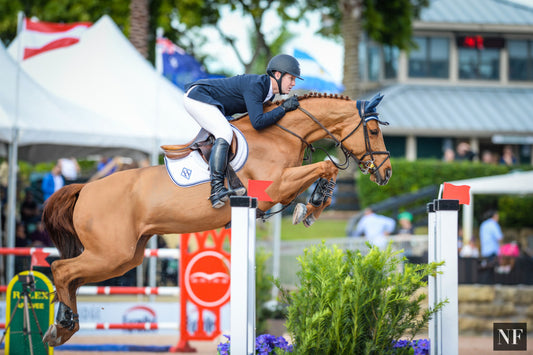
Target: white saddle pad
{"points": [[193, 170]]}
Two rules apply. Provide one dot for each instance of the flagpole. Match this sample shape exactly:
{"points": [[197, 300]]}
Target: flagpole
{"points": [[154, 160], [13, 160]]}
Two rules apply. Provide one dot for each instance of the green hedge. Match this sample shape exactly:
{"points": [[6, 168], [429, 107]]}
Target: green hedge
{"points": [[411, 176]]}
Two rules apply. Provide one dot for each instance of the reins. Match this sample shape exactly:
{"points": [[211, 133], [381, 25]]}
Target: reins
{"points": [[367, 166]]}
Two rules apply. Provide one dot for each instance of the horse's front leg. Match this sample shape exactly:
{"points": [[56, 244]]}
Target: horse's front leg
{"points": [[294, 181], [320, 199]]}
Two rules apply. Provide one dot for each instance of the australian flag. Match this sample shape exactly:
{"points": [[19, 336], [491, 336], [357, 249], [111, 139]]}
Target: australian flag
{"points": [[178, 66]]}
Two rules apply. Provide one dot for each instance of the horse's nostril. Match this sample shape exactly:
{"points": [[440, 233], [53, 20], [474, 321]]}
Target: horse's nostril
{"points": [[388, 173]]}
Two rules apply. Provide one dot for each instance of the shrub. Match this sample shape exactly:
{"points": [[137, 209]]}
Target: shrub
{"points": [[348, 303], [410, 176]]}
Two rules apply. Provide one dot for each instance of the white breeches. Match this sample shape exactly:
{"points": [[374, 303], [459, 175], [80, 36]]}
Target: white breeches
{"points": [[209, 118]]}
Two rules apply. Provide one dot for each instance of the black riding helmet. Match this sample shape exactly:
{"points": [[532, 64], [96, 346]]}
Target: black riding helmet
{"points": [[285, 64]]}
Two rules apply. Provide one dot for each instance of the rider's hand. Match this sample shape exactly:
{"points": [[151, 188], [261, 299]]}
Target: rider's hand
{"points": [[290, 104]]}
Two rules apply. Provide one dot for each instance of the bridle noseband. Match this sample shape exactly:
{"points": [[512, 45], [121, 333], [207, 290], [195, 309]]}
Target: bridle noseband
{"points": [[366, 166]]}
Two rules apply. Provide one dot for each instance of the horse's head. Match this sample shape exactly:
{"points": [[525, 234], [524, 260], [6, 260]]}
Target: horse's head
{"points": [[373, 157], [354, 126]]}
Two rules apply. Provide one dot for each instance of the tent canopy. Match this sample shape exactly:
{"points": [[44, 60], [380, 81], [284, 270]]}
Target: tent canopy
{"points": [[514, 183], [105, 74], [39, 117]]}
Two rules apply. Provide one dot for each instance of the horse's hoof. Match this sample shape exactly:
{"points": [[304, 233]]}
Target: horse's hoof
{"points": [[50, 337], [299, 213], [240, 191], [308, 222]]}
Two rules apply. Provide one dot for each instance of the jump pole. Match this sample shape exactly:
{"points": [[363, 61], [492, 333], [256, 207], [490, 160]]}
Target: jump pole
{"points": [[242, 306], [442, 246]]}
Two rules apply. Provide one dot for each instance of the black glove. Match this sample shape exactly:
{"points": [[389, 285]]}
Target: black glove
{"points": [[290, 104]]}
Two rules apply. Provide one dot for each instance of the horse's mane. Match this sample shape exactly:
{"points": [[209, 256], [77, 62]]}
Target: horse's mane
{"points": [[310, 95]]}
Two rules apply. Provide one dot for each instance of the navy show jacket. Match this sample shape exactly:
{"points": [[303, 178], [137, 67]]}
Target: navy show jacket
{"points": [[238, 94]]}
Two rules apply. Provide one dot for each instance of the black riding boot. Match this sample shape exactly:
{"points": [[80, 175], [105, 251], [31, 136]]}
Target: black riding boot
{"points": [[218, 162]]}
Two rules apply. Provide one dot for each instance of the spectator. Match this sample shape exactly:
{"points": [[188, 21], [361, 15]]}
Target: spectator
{"points": [[405, 220], [491, 235], [30, 212], [52, 182], [508, 157], [106, 166], [449, 155], [40, 238], [470, 249], [464, 152], [21, 241], [375, 228], [70, 169], [487, 157]]}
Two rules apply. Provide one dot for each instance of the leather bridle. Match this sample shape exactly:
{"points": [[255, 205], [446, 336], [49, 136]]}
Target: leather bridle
{"points": [[366, 166]]}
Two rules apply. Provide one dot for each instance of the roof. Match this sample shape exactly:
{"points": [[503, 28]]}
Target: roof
{"points": [[494, 12], [514, 183], [426, 110]]}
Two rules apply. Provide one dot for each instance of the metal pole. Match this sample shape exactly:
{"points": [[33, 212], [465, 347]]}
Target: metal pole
{"points": [[242, 311], [152, 262], [434, 322], [446, 226], [276, 246]]}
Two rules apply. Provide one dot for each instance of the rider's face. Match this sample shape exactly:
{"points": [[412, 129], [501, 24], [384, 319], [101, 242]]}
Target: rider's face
{"points": [[287, 82]]}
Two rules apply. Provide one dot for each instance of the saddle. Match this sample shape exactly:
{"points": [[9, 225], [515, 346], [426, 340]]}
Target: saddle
{"points": [[203, 143]]}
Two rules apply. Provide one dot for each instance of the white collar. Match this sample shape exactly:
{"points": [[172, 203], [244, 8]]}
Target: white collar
{"points": [[270, 94]]}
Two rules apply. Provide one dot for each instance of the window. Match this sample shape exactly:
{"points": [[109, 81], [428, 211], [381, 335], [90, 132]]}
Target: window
{"points": [[520, 60], [479, 63], [390, 56], [431, 59]]}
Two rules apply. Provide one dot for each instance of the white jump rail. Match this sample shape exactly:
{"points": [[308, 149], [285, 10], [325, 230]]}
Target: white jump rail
{"points": [[164, 253]]}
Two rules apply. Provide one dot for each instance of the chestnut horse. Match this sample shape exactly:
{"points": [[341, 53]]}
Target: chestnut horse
{"points": [[101, 228]]}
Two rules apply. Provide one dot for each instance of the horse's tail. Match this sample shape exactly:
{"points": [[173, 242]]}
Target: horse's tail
{"points": [[57, 217]]}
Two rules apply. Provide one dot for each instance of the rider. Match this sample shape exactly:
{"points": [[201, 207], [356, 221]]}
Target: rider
{"points": [[209, 101]]}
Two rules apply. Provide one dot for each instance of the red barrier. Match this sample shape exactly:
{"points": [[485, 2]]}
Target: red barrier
{"points": [[204, 281]]}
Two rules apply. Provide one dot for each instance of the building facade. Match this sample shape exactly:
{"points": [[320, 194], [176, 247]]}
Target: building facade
{"points": [[470, 80]]}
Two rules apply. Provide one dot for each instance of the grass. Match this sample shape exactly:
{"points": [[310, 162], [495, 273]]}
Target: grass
{"points": [[321, 229]]}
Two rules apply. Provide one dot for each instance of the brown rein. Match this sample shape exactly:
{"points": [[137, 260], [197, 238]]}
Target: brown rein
{"points": [[365, 166]]}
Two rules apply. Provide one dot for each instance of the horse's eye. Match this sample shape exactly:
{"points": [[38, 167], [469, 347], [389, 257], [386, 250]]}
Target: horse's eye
{"points": [[374, 132]]}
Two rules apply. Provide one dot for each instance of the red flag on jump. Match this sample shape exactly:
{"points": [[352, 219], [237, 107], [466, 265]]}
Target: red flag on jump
{"points": [[38, 36], [454, 192], [38, 258], [256, 188]]}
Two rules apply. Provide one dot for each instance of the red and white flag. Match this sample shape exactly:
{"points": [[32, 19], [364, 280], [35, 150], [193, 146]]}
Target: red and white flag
{"points": [[38, 36]]}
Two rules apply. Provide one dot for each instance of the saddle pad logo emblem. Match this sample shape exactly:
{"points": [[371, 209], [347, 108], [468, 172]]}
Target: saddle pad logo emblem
{"points": [[186, 173]]}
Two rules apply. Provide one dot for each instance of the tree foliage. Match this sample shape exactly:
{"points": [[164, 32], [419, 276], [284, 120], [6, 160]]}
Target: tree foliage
{"points": [[386, 21], [60, 11]]}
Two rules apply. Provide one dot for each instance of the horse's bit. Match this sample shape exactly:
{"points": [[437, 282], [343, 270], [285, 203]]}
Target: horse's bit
{"points": [[366, 166]]}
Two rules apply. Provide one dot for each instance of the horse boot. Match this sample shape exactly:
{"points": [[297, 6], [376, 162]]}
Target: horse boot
{"points": [[218, 162], [323, 190]]}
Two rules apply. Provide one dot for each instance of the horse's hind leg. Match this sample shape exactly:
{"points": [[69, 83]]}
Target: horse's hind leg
{"points": [[70, 274], [67, 322]]}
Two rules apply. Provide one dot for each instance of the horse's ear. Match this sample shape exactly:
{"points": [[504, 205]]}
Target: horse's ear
{"points": [[371, 106]]}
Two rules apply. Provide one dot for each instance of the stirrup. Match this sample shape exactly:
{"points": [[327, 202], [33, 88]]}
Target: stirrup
{"points": [[219, 199]]}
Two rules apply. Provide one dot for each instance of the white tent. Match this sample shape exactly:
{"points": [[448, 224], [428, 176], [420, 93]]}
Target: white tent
{"points": [[34, 116], [514, 183], [105, 74], [31, 116]]}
